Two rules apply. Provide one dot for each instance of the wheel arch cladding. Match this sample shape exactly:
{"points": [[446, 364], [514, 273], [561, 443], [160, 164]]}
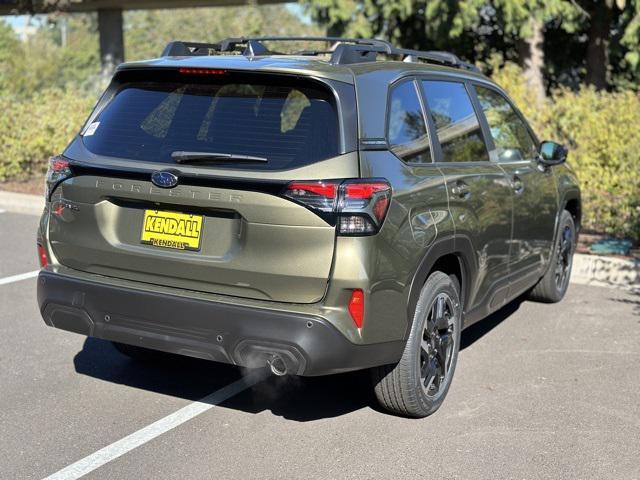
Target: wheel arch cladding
{"points": [[451, 255], [573, 206]]}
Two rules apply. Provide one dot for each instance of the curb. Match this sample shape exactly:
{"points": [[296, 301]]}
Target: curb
{"points": [[595, 270], [21, 203], [604, 271]]}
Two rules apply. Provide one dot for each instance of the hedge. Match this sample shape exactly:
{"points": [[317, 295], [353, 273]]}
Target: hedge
{"points": [[601, 129], [33, 129]]}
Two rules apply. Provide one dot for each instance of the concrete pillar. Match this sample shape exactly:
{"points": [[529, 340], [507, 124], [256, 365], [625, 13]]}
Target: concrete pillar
{"points": [[111, 39]]}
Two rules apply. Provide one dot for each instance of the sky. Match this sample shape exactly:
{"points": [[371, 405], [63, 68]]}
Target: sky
{"points": [[20, 21], [15, 20]]}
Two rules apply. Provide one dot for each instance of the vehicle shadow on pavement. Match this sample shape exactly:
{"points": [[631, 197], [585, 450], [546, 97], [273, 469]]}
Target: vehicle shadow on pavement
{"points": [[475, 332], [174, 375], [300, 399], [294, 398]]}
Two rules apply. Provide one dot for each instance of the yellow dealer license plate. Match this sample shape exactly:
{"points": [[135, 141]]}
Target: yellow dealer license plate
{"points": [[180, 231]]}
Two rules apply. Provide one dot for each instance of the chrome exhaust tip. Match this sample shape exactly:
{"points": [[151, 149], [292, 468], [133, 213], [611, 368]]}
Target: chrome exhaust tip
{"points": [[277, 365]]}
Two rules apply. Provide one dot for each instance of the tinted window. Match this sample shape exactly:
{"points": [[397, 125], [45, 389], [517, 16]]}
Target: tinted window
{"points": [[456, 123], [290, 125], [509, 133], [406, 129]]}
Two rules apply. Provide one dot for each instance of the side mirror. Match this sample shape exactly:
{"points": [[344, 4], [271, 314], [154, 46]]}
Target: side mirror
{"points": [[552, 153]]}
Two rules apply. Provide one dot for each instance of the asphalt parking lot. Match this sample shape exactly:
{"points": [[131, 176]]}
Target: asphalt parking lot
{"points": [[540, 391]]}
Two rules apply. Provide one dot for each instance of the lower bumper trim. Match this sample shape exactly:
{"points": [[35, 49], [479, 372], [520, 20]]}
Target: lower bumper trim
{"points": [[247, 336]]}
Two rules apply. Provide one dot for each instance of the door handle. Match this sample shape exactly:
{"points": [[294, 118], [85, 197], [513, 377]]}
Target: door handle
{"points": [[517, 185], [461, 190]]}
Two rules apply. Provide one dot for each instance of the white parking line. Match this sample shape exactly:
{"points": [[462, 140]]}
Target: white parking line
{"points": [[148, 433], [2, 211], [19, 277]]}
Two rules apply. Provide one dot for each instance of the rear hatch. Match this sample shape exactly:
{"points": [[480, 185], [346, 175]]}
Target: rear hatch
{"points": [[225, 227]]}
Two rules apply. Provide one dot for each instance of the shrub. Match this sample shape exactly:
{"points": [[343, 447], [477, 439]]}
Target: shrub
{"points": [[601, 131], [33, 129]]}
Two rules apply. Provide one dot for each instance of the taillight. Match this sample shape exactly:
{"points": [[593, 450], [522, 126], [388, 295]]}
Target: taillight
{"points": [[42, 256], [318, 195], [356, 307], [360, 206], [58, 171]]}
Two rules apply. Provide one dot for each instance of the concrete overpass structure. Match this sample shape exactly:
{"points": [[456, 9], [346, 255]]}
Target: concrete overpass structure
{"points": [[110, 16]]}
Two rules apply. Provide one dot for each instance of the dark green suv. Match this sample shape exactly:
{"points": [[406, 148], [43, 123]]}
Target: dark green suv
{"points": [[351, 207]]}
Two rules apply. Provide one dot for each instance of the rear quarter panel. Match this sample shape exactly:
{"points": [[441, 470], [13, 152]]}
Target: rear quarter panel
{"points": [[567, 183], [417, 216]]}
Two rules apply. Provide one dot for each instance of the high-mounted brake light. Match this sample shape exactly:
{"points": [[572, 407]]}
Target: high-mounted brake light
{"points": [[59, 170], [202, 71], [360, 206]]}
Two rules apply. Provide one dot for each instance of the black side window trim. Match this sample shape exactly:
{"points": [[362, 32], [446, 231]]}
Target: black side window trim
{"points": [[485, 123], [425, 117], [488, 141]]}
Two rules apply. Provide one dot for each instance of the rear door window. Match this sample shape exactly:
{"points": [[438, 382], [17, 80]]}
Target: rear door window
{"points": [[291, 123], [406, 128], [456, 122]]}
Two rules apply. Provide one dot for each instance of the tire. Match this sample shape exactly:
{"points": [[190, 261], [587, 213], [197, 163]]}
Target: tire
{"points": [[139, 354], [403, 388], [552, 287]]}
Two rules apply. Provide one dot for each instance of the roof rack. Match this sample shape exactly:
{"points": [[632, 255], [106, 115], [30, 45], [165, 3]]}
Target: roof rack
{"points": [[344, 50]]}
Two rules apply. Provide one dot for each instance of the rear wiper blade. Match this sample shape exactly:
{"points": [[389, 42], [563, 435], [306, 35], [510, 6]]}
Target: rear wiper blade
{"points": [[184, 157]]}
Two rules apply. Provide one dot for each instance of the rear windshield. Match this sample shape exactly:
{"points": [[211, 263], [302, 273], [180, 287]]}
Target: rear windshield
{"points": [[290, 122]]}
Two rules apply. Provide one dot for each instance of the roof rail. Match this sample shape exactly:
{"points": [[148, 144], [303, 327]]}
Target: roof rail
{"points": [[231, 44], [344, 50], [435, 56]]}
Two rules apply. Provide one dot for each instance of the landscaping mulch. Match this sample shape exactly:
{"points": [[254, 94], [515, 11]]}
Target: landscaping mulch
{"points": [[586, 239], [33, 186]]}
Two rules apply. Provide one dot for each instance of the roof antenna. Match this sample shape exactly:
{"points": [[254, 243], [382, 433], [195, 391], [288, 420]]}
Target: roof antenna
{"points": [[254, 49]]}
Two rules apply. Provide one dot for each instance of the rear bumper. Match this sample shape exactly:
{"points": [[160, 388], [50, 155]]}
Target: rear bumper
{"points": [[221, 332]]}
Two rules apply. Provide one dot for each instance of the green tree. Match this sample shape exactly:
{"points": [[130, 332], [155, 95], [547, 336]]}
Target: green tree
{"points": [[593, 31], [9, 55], [629, 51], [555, 41], [524, 22], [42, 62], [414, 23], [447, 24], [148, 31]]}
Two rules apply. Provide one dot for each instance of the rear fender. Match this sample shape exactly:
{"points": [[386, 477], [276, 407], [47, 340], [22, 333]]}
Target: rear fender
{"points": [[565, 197], [459, 246]]}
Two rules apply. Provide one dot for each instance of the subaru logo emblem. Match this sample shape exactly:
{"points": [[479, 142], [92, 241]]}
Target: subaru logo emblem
{"points": [[164, 179]]}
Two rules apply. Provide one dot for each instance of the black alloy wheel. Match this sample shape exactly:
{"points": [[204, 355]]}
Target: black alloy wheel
{"points": [[437, 346]]}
